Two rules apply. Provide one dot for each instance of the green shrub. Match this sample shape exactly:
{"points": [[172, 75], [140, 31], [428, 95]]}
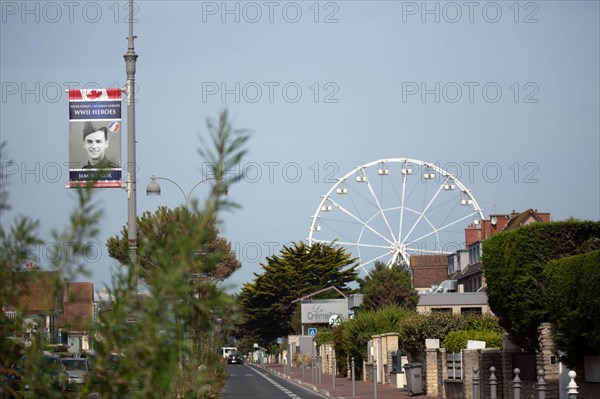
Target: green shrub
{"points": [[457, 340], [416, 329], [514, 263], [324, 337], [574, 305], [357, 332]]}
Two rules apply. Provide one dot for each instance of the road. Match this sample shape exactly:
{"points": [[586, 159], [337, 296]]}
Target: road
{"points": [[250, 382]]}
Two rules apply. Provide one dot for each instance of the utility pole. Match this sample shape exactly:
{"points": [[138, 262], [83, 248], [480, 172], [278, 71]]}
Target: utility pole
{"points": [[130, 60]]}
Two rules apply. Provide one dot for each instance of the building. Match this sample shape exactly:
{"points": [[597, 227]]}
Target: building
{"points": [[428, 271], [461, 288], [78, 316], [37, 302], [466, 267]]}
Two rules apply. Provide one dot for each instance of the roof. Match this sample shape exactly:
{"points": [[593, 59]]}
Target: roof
{"points": [[453, 298], [38, 291], [78, 303], [523, 218]]}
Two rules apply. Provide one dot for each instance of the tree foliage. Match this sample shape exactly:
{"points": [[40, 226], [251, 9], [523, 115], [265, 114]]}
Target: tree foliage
{"points": [[300, 269], [159, 234], [160, 337], [386, 286], [514, 263], [574, 305], [150, 329]]}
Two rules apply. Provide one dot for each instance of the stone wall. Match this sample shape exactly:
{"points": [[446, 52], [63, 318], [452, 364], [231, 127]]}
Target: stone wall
{"points": [[435, 373]]}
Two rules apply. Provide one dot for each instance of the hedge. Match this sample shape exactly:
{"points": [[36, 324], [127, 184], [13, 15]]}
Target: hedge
{"points": [[514, 263], [457, 340], [572, 286]]}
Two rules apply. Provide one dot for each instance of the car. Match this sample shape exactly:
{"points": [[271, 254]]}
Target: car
{"points": [[235, 358], [43, 377], [78, 370]]}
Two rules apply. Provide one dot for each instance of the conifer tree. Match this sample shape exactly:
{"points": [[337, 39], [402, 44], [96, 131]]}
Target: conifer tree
{"points": [[385, 286], [300, 269]]}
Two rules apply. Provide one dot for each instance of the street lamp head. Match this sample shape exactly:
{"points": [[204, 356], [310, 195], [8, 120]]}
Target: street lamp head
{"points": [[153, 187]]}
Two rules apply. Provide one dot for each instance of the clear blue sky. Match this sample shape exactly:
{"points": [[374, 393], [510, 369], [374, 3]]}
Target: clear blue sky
{"points": [[488, 88]]}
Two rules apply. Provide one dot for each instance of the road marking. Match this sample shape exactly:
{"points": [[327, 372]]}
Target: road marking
{"points": [[279, 386]]}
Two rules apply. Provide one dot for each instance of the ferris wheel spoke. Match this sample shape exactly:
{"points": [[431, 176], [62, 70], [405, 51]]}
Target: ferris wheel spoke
{"points": [[362, 245], [378, 205], [446, 226], [431, 251], [375, 259], [425, 210], [336, 231], [402, 202], [362, 222]]}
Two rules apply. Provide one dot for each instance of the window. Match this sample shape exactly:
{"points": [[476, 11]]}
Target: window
{"points": [[441, 310], [474, 310]]}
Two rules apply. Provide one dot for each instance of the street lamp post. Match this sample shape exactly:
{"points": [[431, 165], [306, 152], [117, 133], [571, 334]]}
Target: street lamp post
{"points": [[153, 187], [130, 61]]}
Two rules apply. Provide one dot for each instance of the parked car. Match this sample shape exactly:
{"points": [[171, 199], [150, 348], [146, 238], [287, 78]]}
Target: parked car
{"points": [[30, 378], [235, 358], [6, 388], [78, 370]]}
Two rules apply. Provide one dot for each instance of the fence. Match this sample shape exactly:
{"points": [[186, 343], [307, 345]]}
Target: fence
{"points": [[540, 386], [454, 366]]}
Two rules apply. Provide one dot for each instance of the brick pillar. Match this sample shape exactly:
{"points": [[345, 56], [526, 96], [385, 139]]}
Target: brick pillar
{"points": [[544, 359], [430, 369], [390, 345], [470, 361]]}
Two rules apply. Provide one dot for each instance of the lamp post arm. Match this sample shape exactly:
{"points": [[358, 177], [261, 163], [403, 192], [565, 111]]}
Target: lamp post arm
{"points": [[196, 185], [185, 196], [175, 183]]}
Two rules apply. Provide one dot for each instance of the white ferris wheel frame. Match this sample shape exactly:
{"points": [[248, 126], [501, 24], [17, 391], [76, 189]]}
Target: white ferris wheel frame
{"points": [[397, 244]]}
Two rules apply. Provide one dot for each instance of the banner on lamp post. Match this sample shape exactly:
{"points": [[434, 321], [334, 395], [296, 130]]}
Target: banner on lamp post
{"points": [[95, 137]]}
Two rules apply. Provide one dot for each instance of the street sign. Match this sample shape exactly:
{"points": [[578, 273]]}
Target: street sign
{"points": [[312, 331]]}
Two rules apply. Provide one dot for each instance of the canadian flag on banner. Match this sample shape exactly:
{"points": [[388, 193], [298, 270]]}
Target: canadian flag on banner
{"points": [[95, 94]]}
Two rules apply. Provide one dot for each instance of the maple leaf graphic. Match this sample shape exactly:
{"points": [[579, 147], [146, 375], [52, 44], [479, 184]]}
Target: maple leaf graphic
{"points": [[94, 94]]}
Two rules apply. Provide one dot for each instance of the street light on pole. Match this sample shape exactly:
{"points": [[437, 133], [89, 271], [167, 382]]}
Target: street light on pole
{"points": [[153, 187], [130, 61]]}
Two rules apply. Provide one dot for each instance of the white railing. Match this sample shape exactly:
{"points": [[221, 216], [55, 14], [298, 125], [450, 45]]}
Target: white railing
{"points": [[11, 315]]}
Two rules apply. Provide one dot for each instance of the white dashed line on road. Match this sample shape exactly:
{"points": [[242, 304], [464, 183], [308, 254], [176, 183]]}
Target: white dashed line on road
{"points": [[279, 386]]}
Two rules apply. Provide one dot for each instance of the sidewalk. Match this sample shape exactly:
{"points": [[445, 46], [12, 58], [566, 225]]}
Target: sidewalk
{"points": [[343, 386]]}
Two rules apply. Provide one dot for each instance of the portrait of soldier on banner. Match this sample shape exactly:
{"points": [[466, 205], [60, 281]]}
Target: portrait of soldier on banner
{"points": [[94, 145]]}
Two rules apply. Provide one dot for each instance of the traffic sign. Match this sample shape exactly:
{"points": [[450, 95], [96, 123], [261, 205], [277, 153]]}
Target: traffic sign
{"points": [[312, 331], [279, 341]]}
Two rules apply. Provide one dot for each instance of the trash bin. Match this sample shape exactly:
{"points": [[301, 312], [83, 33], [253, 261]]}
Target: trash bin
{"points": [[414, 380]]}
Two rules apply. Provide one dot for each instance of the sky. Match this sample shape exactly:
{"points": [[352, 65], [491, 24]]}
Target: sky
{"points": [[504, 96]]}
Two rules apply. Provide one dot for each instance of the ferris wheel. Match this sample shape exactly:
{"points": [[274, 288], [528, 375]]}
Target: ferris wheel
{"points": [[389, 209]]}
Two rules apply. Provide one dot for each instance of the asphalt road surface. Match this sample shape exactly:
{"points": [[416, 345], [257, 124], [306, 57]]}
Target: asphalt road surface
{"points": [[249, 382]]}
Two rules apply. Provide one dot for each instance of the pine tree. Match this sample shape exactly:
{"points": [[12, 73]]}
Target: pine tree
{"points": [[300, 269], [388, 287]]}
